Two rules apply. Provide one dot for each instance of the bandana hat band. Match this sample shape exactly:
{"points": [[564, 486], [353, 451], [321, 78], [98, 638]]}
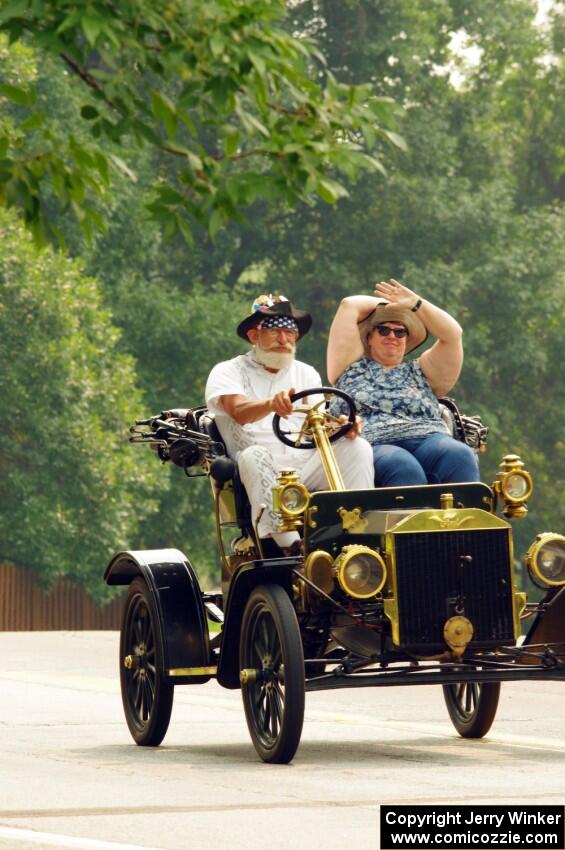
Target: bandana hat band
{"points": [[286, 323]]}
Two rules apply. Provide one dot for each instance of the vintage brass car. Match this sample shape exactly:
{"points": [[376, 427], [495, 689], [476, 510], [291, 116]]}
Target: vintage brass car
{"points": [[396, 586]]}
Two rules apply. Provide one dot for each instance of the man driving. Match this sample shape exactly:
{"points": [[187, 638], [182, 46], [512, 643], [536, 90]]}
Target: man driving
{"points": [[245, 392]]}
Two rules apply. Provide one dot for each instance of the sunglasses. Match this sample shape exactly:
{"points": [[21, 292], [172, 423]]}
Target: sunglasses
{"points": [[384, 330]]}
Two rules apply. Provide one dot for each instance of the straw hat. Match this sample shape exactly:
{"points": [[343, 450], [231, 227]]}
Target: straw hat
{"points": [[417, 332]]}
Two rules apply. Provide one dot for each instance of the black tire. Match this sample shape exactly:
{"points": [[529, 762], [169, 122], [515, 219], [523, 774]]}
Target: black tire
{"points": [[270, 643], [146, 696], [472, 706]]}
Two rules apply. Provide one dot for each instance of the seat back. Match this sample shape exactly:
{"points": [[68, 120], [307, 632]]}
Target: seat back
{"points": [[226, 478], [466, 429]]}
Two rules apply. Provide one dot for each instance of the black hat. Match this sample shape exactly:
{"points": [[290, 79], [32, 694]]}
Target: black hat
{"points": [[274, 305]]}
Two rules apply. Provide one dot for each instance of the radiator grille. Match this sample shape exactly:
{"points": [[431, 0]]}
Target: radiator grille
{"points": [[429, 578]]}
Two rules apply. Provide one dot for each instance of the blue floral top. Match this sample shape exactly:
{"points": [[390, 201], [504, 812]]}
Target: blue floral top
{"points": [[395, 404]]}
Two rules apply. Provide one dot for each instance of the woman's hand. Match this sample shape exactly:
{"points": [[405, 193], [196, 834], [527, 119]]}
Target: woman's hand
{"points": [[398, 294]]}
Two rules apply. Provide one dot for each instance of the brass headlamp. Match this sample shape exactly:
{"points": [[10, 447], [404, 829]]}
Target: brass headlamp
{"points": [[290, 500], [514, 484], [545, 559], [360, 571]]}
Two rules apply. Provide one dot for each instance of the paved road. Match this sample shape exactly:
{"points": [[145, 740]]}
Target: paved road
{"points": [[72, 778]]}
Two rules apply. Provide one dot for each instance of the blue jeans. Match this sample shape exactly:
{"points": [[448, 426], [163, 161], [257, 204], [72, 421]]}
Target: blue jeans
{"points": [[435, 459]]}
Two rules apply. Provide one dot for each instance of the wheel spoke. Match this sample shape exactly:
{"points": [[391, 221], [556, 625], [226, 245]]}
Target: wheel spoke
{"points": [[138, 628], [150, 692], [138, 696], [261, 642], [267, 714], [273, 640], [278, 705], [274, 716], [468, 698], [277, 656], [280, 691]]}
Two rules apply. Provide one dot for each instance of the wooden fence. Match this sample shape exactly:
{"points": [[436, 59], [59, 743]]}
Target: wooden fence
{"points": [[24, 607]]}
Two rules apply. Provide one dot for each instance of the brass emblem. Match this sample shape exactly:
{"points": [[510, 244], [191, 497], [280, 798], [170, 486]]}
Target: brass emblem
{"points": [[458, 633], [352, 521], [450, 519]]}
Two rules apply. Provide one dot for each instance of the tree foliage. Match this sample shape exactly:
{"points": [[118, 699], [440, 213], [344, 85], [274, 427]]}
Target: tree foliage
{"points": [[73, 491], [246, 109], [470, 215]]}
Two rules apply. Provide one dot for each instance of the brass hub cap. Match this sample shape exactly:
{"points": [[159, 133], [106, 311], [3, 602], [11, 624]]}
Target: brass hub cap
{"points": [[458, 633]]}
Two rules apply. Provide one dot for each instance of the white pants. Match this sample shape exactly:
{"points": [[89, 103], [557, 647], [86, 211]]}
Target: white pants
{"points": [[258, 473]]}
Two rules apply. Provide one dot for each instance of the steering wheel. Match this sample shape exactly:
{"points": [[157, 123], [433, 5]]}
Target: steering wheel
{"points": [[304, 440]]}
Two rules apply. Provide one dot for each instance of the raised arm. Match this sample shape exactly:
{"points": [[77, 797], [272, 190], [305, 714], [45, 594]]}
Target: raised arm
{"points": [[441, 364], [344, 342]]}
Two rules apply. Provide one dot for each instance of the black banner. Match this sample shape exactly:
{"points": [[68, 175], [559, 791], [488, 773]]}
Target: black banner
{"points": [[472, 827]]}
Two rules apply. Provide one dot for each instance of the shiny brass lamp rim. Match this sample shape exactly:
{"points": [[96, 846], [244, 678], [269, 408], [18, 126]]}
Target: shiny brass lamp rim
{"points": [[297, 485], [340, 565], [523, 474], [532, 558]]}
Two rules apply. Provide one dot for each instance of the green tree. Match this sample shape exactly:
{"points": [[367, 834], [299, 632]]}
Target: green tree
{"points": [[460, 216], [220, 86], [73, 490]]}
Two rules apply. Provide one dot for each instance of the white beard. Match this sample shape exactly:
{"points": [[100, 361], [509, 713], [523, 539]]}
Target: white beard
{"points": [[274, 359]]}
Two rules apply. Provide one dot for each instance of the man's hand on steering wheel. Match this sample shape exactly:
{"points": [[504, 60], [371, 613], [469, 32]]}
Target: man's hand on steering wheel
{"points": [[281, 404], [336, 426]]}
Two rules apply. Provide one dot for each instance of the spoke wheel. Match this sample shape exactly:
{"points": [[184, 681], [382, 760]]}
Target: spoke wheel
{"points": [[271, 647], [472, 706], [146, 696]]}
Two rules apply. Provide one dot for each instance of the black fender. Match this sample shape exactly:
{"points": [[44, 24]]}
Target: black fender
{"points": [[182, 619], [549, 625], [248, 577]]}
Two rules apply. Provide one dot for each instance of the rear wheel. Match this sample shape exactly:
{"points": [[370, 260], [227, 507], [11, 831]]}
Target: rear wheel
{"points": [[472, 706], [272, 663], [146, 696]]}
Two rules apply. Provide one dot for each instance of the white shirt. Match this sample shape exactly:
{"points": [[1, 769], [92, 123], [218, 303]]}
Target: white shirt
{"points": [[243, 375]]}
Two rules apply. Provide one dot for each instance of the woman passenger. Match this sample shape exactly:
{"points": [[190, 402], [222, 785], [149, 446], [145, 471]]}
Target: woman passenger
{"points": [[397, 398]]}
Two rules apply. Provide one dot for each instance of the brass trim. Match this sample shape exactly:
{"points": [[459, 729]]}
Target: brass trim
{"points": [[297, 511], [391, 612], [290, 520], [309, 516], [453, 519], [353, 521], [533, 552], [324, 561], [322, 441], [343, 559], [192, 671], [520, 600], [511, 465], [248, 674], [458, 633], [527, 478]]}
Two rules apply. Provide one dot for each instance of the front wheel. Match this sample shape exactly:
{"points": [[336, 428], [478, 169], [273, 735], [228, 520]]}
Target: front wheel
{"points": [[146, 696], [272, 664], [472, 706]]}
